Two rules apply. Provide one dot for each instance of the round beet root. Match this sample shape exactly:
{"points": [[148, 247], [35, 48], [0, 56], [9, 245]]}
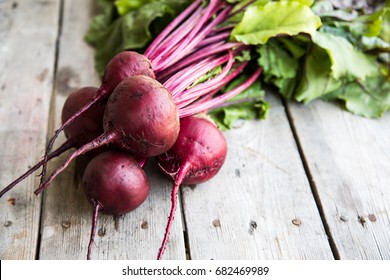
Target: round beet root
{"points": [[87, 126], [143, 113], [198, 153], [115, 182], [125, 64]]}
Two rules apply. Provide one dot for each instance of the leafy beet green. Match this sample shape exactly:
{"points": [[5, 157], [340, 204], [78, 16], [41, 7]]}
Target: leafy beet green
{"points": [[263, 21], [345, 58]]}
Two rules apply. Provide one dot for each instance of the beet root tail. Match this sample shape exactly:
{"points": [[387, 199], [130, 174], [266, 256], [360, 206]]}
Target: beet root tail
{"points": [[179, 179], [104, 139], [93, 228], [63, 148]]}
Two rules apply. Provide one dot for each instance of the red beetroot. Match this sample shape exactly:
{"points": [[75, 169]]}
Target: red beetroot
{"points": [[90, 124], [124, 65], [197, 156], [140, 117], [114, 184]]}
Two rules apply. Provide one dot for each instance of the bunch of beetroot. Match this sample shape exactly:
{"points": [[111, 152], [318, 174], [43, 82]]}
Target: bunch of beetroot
{"points": [[152, 105]]}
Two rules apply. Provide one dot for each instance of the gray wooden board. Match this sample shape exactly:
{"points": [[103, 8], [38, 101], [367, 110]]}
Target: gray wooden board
{"points": [[247, 210], [349, 161], [28, 33]]}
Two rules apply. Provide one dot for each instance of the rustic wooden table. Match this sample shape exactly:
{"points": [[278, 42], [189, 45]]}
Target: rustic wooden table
{"points": [[310, 182]]}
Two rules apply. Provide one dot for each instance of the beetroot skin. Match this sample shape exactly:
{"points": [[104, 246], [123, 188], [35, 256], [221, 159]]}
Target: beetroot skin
{"points": [[115, 181], [90, 124], [142, 112], [125, 64], [200, 148]]}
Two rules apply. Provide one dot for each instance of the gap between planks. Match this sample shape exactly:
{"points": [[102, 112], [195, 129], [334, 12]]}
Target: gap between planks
{"points": [[312, 184], [187, 247], [51, 119]]}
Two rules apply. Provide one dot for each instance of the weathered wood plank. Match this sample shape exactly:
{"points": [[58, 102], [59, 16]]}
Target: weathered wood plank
{"points": [[67, 216], [247, 210], [349, 161], [28, 32]]}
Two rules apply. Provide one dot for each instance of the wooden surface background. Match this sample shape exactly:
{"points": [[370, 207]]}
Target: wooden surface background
{"points": [[310, 182]]}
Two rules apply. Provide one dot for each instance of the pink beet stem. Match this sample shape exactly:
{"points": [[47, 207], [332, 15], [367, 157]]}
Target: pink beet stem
{"points": [[187, 42], [93, 228], [182, 173], [205, 93], [219, 36], [104, 139], [193, 73], [171, 27], [210, 85], [216, 101], [198, 55], [63, 148], [173, 40], [196, 35], [184, 78]]}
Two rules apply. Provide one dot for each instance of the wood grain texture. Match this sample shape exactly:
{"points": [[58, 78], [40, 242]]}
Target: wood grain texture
{"points": [[247, 210], [349, 161], [66, 219], [28, 33]]}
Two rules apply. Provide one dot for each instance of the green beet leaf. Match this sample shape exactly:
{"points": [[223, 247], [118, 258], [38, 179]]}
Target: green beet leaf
{"points": [[316, 79], [279, 66], [124, 6], [369, 99], [261, 22], [346, 61]]}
